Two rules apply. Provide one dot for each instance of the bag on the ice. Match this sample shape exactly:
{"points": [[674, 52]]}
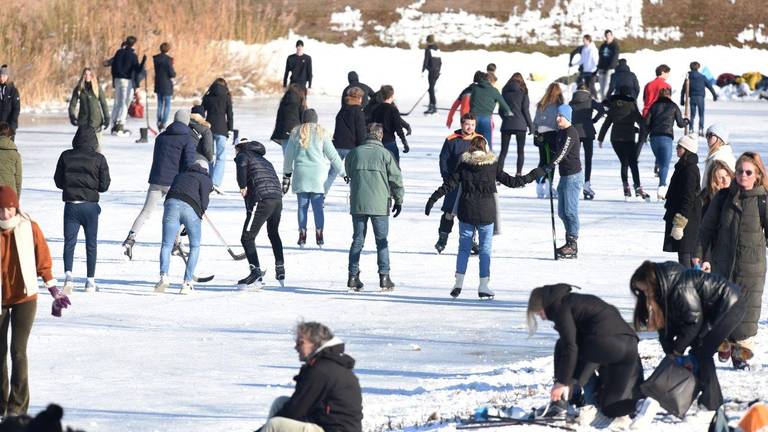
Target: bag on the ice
{"points": [[136, 109], [672, 385], [719, 422]]}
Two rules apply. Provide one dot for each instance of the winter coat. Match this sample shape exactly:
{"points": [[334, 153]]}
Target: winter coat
{"points": [[662, 117], [519, 105], [10, 104], [725, 154], [354, 81], [566, 151], [683, 199], [350, 127], [693, 302], [453, 149], [82, 173], [583, 105], [623, 77], [125, 64], [374, 179], [300, 68], [545, 119], [24, 256], [288, 116], [697, 86], [623, 115], [327, 391], [93, 111], [609, 56], [432, 62], [389, 116], [477, 175], [201, 132], [651, 93], [174, 152], [193, 187], [164, 74], [733, 230], [484, 98], [218, 109], [309, 166], [10, 164], [257, 174]]}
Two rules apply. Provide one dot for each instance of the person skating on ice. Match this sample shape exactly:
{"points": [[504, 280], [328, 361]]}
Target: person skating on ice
{"points": [[607, 62], [660, 126], [431, 64], [697, 84], [588, 60], [566, 155], [583, 105], [299, 66]]}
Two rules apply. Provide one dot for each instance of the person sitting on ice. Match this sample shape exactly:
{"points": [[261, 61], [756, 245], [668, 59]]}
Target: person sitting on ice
{"points": [[327, 395]]}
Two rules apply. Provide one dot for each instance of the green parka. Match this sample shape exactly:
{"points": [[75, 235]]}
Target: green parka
{"points": [[374, 179], [10, 164], [93, 111]]}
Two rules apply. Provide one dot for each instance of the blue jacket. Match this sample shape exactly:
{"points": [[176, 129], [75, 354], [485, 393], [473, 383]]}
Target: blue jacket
{"points": [[174, 152], [193, 187], [698, 85], [125, 64]]}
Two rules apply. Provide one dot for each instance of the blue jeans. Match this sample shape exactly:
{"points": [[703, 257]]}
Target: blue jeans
{"points": [[697, 103], [392, 147], [175, 214], [217, 166], [163, 108], [332, 173], [484, 128], [662, 146], [76, 215], [380, 226], [316, 199], [485, 236], [568, 191]]}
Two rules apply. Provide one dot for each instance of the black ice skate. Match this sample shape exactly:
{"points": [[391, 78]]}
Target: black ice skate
{"points": [[640, 193], [319, 238], [385, 283], [302, 238], [353, 283], [569, 250], [280, 274], [254, 281]]}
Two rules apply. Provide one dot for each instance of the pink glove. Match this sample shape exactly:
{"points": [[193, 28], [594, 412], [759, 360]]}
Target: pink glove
{"points": [[60, 301]]}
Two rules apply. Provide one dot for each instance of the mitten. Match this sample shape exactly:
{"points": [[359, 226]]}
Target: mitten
{"points": [[678, 226]]}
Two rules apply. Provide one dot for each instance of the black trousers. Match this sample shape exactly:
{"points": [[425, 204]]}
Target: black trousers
{"points": [[15, 394], [268, 211], [588, 145], [506, 136], [684, 258], [432, 79], [627, 151]]}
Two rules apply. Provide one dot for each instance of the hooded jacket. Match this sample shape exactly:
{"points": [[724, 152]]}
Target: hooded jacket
{"points": [[125, 64], [288, 116], [164, 73], [193, 187], [724, 153], [583, 105], [10, 164], [93, 110], [82, 173], [309, 166], [662, 117], [10, 104], [354, 81], [454, 147], [218, 109], [484, 98], [201, 132], [174, 152], [623, 115], [327, 391], [350, 127], [624, 77], [683, 199], [257, 174], [519, 105]]}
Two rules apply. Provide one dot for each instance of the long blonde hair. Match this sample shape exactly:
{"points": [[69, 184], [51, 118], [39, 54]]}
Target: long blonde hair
{"points": [[307, 130], [553, 95], [94, 81], [754, 157]]}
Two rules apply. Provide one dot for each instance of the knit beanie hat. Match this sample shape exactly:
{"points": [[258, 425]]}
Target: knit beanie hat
{"points": [[689, 142], [719, 131], [182, 116], [566, 111], [309, 116], [5, 70], [197, 107], [8, 197]]}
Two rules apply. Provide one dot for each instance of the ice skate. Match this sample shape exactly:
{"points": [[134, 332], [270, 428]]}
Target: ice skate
{"points": [[483, 291], [280, 274], [187, 288], [456, 291], [162, 285], [385, 283], [640, 193], [353, 282], [253, 282], [69, 284], [128, 245], [661, 193], [302, 238], [569, 250], [627, 193], [90, 285], [319, 238]]}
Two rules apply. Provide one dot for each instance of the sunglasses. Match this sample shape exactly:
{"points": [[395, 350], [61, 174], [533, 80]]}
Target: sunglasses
{"points": [[748, 173]]}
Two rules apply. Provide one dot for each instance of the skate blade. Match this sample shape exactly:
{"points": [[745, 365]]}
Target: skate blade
{"points": [[486, 297], [254, 287]]}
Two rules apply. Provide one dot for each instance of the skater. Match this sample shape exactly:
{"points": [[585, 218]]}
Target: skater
{"points": [[10, 102], [218, 112], [462, 102], [588, 60], [185, 205], [718, 148], [608, 61], [625, 117], [354, 81], [661, 119], [545, 130], [688, 308], [716, 178], [201, 132], [174, 152], [125, 71], [375, 181], [299, 65], [431, 65], [565, 154], [515, 93], [10, 160], [388, 116], [81, 174], [583, 105], [734, 228], [454, 147], [25, 257], [260, 189], [164, 74], [593, 337], [327, 395], [482, 103], [651, 90], [349, 131], [697, 84], [623, 77], [490, 70], [93, 111], [683, 207], [476, 176], [292, 104], [309, 153]]}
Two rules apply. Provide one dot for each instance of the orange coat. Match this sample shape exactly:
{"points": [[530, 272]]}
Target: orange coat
{"points": [[13, 285]]}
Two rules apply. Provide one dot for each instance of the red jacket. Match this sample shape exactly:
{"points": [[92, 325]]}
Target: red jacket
{"points": [[651, 93]]}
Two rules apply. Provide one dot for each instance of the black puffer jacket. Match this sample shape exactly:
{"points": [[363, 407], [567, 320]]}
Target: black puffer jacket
{"points": [[662, 118], [257, 174], [350, 127], [288, 116], [583, 105], [193, 187], [218, 109], [354, 81], [82, 173], [327, 391], [693, 302], [518, 102], [10, 104], [623, 114], [164, 72], [683, 198], [624, 77]]}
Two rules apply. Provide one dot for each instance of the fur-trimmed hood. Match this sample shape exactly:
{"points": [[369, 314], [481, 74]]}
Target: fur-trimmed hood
{"points": [[478, 158], [197, 118]]}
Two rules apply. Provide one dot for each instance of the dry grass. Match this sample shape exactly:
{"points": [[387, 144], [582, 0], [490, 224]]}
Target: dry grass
{"points": [[48, 42]]}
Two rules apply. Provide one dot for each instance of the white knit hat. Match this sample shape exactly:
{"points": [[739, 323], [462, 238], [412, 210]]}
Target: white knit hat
{"points": [[689, 142]]}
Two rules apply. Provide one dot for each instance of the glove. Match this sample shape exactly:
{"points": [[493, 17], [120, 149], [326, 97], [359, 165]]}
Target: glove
{"points": [[535, 173], [548, 169], [428, 208], [60, 301], [346, 179], [286, 183], [530, 131], [678, 225], [408, 130], [686, 122], [714, 98], [73, 120], [396, 210], [406, 148]]}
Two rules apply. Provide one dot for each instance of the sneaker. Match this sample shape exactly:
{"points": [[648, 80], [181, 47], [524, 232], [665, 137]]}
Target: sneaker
{"points": [[645, 411], [187, 288], [385, 283], [162, 285], [69, 284], [90, 285]]}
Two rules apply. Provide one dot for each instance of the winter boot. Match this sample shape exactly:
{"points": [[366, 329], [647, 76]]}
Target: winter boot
{"points": [[128, 245], [569, 249], [627, 192], [385, 283], [589, 194], [143, 136], [120, 131], [187, 288], [442, 240], [661, 193], [645, 411], [302, 238], [353, 282], [162, 285], [90, 285], [69, 284], [253, 281], [280, 274], [319, 237], [483, 291], [457, 285], [641, 194]]}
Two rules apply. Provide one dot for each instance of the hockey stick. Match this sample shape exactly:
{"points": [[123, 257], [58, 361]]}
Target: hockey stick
{"points": [[236, 257], [508, 421], [178, 251], [146, 100], [687, 115], [415, 105], [551, 177]]}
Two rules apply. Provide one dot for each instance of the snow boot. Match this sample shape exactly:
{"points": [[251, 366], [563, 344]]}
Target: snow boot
{"points": [[319, 238], [385, 283], [128, 245], [661, 193], [457, 285], [570, 249], [442, 241], [640, 193], [302, 238], [589, 194], [353, 282], [69, 284], [254, 280], [90, 285], [280, 274], [627, 192], [143, 136], [483, 291], [645, 411], [162, 285], [187, 288]]}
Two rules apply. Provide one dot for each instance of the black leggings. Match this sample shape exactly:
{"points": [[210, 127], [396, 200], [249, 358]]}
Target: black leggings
{"points": [[432, 79], [588, 145], [627, 151], [265, 211], [506, 136]]}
